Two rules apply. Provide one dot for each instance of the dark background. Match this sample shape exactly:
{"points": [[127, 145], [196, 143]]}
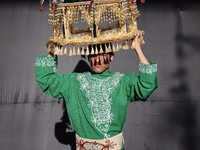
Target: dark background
{"points": [[169, 120]]}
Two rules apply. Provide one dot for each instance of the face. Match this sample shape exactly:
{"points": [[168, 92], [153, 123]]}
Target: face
{"points": [[101, 62]]}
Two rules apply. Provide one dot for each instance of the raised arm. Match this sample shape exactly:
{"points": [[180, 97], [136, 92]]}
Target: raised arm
{"points": [[138, 47], [45, 73], [140, 87]]}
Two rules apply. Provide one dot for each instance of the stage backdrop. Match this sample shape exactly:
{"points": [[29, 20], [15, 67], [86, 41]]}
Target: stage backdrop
{"points": [[169, 120]]}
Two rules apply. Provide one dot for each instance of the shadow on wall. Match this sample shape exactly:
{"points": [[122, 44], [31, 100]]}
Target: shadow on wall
{"points": [[183, 115], [63, 130]]}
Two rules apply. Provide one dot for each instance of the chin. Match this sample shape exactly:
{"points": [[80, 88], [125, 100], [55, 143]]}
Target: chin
{"points": [[98, 71]]}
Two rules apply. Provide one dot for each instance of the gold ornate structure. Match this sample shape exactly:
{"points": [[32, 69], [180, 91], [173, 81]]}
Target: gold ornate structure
{"points": [[79, 24]]}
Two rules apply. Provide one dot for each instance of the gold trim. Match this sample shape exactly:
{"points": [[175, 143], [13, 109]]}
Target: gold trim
{"points": [[120, 16]]}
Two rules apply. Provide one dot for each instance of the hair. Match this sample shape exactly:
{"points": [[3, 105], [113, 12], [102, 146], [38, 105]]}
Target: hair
{"points": [[52, 45]]}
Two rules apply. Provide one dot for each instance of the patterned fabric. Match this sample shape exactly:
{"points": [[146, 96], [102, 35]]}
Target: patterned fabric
{"points": [[94, 145], [96, 103], [98, 92], [113, 143], [46, 62], [149, 69]]}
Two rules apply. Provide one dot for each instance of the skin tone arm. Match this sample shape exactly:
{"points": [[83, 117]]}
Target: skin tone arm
{"points": [[138, 48]]}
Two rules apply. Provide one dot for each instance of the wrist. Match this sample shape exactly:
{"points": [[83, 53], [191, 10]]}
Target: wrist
{"points": [[138, 49], [141, 56]]}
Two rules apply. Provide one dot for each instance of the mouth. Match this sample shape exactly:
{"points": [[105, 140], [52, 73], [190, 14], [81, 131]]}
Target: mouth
{"points": [[97, 66]]}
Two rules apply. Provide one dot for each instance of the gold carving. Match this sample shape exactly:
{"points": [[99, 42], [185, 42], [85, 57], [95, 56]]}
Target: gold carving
{"points": [[77, 25]]}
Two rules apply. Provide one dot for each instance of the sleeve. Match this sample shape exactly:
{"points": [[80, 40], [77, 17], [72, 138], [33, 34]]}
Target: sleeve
{"points": [[49, 81], [140, 87]]}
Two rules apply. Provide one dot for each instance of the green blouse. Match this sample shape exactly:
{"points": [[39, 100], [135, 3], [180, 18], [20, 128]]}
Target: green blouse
{"points": [[97, 103]]}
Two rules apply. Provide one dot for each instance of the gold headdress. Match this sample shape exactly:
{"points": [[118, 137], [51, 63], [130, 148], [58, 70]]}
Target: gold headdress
{"points": [[80, 24]]}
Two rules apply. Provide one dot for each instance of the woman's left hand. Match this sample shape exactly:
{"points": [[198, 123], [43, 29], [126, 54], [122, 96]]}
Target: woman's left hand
{"points": [[139, 40]]}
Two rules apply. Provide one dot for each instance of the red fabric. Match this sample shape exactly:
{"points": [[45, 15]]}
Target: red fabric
{"points": [[41, 8], [53, 6], [91, 1], [132, 1]]}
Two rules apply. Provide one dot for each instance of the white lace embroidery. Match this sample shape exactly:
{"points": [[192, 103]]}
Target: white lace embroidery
{"points": [[98, 92], [46, 62], [148, 69]]}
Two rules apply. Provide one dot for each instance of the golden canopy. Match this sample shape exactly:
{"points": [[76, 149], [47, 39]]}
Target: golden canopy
{"points": [[80, 24]]}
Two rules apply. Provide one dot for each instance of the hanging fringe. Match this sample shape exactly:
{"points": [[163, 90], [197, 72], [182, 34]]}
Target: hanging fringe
{"points": [[78, 51], [132, 1], [92, 51], [109, 48], [82, 51], [125, 45], [61, 51], [106, 48], [52, 4], [101, 50], [87, 51], [113, 47], [91, 2], [70, 51], [117, 48], [74, 50], [65, 51], [41, 8], [41, 5]]}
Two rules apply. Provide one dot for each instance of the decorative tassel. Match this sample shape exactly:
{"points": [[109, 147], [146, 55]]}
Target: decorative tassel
{"points": [[109, 48], [120, 46], [91, 2], [74, 50], [41, 8], [82, 51], [53, 6], [41, 5], [78, 51], [132, 44], [65, 51], [107, 51], [117, 48], [92, 52], [61, 51], [96, 49], [101, 50], [113, 47], [132, 1], [70, 51], [56, 51], [87, 51], [125, 46]]}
